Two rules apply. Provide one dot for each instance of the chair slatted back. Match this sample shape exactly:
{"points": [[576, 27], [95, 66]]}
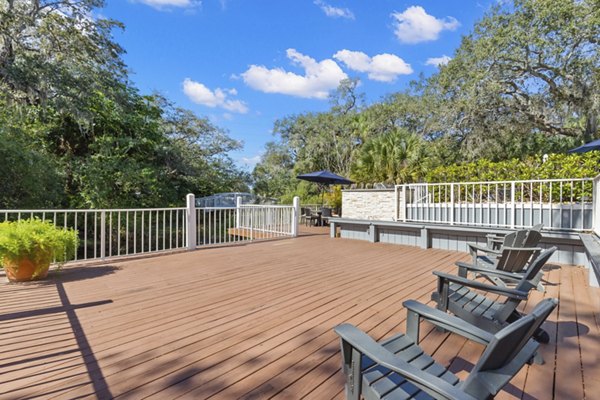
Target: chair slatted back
{"points": [[525, 284], [520, 238], [509, 240], [514, 260], [509, 341], [534, 268], [533, 238]]}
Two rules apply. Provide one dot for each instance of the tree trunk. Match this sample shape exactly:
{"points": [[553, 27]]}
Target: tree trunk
{"points": [[591, 127]]}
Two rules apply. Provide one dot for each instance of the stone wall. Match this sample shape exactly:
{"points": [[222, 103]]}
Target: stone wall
{"points": [[368, 204]]}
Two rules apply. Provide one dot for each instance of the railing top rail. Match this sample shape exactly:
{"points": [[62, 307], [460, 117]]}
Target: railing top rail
{"points": [[90, 210], [215, 208], [268, 205], [497, 182]]}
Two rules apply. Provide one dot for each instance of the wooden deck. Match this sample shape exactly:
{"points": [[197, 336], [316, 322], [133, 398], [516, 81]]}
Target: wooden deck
{"points": [[255, 321]]}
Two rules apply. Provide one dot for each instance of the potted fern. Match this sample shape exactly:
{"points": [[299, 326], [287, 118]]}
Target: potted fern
{"points": [[27, 247]]}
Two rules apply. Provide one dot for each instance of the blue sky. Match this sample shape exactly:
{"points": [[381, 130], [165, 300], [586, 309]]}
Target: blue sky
{"points": [[246, 63]]}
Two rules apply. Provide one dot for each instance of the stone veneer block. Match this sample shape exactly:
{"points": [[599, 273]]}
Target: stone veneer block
{"points": [[369, 204]]}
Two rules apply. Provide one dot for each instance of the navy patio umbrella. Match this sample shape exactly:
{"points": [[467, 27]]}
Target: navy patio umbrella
{"points": [[324, 178], [593, 145]]}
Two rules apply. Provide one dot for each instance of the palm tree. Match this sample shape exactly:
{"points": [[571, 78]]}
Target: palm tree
{"points": [[395, 156]]}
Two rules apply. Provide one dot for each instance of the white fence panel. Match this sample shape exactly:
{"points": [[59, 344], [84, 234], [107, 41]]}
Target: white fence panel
{"points": [[560, 204], [596, 202], [108, 233]]}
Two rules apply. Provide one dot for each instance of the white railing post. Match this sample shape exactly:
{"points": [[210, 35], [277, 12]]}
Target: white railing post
{"points": [[238, 212], [396, 206], [513, 205], [404, 203], [103, 235], [295, 216], [596, 206], [452, 204], [190, 214], [252, 223]]}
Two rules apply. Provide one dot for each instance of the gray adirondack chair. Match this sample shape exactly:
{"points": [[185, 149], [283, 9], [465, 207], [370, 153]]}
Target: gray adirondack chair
{"points": [[398, 368], [456, 294], [495, 240], [514, 258], [491, 256]]}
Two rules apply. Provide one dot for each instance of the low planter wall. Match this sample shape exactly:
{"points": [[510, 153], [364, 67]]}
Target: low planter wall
{"points": [[571, 250]]}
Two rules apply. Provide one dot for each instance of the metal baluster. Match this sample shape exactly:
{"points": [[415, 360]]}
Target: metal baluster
{"points": [[76, 230], [142, 231], [550, 200], [177, 229], [135, 232], [95, 236], [110, 233], [85, 236], [582, 204], [118, 233], [127, 232]]}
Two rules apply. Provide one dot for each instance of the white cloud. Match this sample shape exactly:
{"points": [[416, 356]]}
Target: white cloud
{"points": [[414, 25], [168, 4], [250, 162], [437, 61], [200, 94], [318, 80], [334, 12], [382, 67]]}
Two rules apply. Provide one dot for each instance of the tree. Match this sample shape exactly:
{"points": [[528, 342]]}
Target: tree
{"points": [[397, 156], [30, 177], [56, 52], [99, 141], [273, 176], [529, 67], [325, 140]]}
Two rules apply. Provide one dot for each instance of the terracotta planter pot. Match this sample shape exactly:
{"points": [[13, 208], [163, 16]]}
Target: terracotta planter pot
{"points": [[23, 270]]}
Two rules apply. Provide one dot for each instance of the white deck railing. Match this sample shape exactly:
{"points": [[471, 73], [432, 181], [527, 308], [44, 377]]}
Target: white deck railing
{"points": [[108, 233], [559, 204], [111, 233], [267, 222]]}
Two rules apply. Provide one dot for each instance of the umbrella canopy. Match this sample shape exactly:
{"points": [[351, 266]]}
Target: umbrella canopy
{"points": [[594, 145], [325, 177]]}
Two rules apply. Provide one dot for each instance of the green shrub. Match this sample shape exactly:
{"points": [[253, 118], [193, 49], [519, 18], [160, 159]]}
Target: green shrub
{"points": [[40, 241], [333, 198], [558, 166]]}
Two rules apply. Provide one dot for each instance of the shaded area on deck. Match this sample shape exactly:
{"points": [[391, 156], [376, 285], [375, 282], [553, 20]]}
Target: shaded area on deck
{"points": [[255, 321]]}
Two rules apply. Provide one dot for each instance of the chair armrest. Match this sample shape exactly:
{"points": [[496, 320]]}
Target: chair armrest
{"points": [[523, 248], [474, 247], [368, 347], [488, 271], [447, 322], [506, 292]]}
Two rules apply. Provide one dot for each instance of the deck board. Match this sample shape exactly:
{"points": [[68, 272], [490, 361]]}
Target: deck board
{"points": [[255, 321]]}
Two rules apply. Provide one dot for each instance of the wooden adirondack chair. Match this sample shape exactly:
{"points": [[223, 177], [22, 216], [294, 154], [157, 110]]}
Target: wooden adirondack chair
{"points": [[398, 368], [455, 294]]}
